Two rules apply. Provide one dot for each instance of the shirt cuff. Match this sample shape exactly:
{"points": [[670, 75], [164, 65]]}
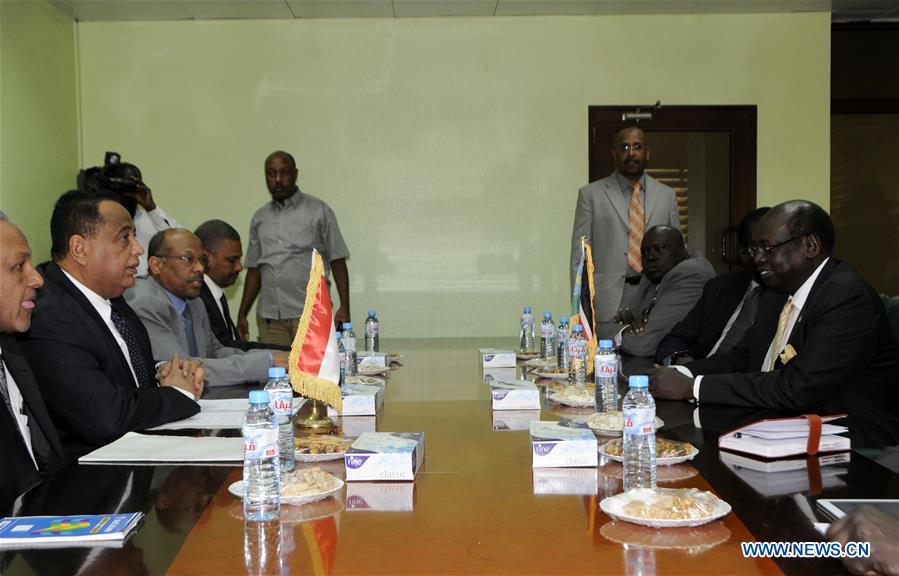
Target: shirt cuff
{"points": [[683, 370], [618, 337], [185, 392], [271, 359], [696, 384], [696, 421]]}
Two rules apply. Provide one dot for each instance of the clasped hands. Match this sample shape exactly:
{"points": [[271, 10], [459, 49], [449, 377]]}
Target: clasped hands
{"points": [[186, 374]]}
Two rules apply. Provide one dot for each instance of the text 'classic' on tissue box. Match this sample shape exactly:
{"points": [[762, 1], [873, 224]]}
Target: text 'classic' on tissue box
{"points": [[555, 446], [385, 456]]}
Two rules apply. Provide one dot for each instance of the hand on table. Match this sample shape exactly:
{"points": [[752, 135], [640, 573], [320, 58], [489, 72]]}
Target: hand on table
{"points": [[669, 384], [870, 525], [187, 374]]}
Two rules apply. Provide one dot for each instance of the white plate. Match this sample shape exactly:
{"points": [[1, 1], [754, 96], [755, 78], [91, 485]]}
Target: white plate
{"points": [[526, 355], [613, 506], [617, 432], [373, 370], [237, 489], [367, 380], [573, 403], [659, 461], [320, 457], [551, 375]]}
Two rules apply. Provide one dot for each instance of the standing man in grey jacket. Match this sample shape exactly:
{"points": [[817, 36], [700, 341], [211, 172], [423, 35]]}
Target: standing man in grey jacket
{"points": [[613, 214]]}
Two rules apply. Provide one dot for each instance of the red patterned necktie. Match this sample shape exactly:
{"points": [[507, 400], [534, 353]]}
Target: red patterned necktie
{"points": [[636, 222]]}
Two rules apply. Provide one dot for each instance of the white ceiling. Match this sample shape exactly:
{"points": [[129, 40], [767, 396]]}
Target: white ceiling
{"points": [[842, 10]]}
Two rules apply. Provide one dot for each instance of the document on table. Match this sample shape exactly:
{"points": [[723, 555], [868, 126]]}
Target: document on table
{"points": [[216, 414], [137, 448]]}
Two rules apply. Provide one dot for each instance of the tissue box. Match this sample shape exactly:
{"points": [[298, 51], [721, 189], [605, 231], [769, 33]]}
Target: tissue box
{"points": [[576, 481], [385, 456], [381, 496], [555, 446], [360, 400], [374, 359], [494, 374], [515, 395], [496, 358], [514, 419], [354, 426]]}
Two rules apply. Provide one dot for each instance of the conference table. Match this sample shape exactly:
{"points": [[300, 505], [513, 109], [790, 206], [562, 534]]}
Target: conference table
{"points": [[476, 506]]}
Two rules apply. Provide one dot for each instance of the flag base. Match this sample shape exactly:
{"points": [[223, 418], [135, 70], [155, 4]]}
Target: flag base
{"points": [[315, 419]]}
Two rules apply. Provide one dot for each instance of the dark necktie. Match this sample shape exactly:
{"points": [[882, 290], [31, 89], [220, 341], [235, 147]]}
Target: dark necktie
{"points": [[40, 446], [744, 320], [227, 314], [189, 332], [138, 362]]}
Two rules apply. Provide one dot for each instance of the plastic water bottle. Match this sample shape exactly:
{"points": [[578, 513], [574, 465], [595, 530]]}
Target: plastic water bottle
{"points": [[372, 333], [262, 546], [280, 394], [562, 344], [341, 355], [261, 464], [577, 357], [605, 374], [639, 411], [526, 332], [349, 344], [547, 336]]}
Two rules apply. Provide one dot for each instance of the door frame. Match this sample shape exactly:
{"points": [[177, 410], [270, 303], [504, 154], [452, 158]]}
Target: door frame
{"points": [[739, 121]]}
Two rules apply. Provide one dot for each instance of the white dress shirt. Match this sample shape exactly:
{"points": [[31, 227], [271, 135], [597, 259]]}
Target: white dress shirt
{"points": [[798, 299], [217, 293], [146, 225], [16, 402]]}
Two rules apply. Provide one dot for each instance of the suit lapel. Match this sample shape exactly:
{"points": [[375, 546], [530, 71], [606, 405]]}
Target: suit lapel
{"points": [[197, 310], [616, 198]]}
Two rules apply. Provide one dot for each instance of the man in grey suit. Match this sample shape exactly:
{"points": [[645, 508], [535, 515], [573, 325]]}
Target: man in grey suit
{"points": [[671, 285], [613, 214], [176, 319]]}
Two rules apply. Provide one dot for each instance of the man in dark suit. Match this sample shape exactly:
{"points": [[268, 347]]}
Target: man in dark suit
{"points": [[86, 346], [671, 284], [725, 310], [29, 446], [224, 251], [820, 343]]}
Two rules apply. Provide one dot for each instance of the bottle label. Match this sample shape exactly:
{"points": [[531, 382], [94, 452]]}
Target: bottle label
{"points": [[577, 348], [639, 421], [371, 329], [349, 344], [563, 334], [281, 402], [606, 366], [547, 331], [260, 443]]}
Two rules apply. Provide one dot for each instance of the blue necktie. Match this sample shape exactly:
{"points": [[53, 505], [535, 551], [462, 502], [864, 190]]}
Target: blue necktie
{"points": [[189, 332]]}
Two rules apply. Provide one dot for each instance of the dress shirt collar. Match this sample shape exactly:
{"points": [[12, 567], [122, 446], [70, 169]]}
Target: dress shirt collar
{"points": [[178, 303], [291, 201], [801, 295], [100, 304], [217, 291], [625, 184]]}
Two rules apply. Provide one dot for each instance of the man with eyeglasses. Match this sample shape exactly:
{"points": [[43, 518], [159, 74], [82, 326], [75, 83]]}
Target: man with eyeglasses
{"points": [[176, 319], [821, 342], [613, 214]]}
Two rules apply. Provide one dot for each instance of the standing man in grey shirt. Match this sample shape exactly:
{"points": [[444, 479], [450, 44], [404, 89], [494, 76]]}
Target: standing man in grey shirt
{"points": [[279, 255], [613, 213]]}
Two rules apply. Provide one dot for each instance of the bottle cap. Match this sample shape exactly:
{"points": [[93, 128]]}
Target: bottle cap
{"points": [[347, 325], [563, 320], [606, 344], [527, 309], [638, 382], [259, 397], [577, 329], [277, 372], [548, 315], [371, 313]]}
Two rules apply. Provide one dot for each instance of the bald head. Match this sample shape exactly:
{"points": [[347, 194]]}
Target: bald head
{"points": [[18, 279], [662, 249], [177, 260]]}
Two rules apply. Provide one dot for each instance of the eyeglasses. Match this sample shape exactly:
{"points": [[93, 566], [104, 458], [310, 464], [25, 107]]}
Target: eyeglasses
{"points": [[636, 147], [755, 249], [189, 260]]}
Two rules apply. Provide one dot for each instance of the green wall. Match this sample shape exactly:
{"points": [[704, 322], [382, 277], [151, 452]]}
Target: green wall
{"points": [[451, 149], [38, 128]]}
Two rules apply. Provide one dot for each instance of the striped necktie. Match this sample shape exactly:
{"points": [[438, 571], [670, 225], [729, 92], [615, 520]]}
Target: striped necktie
{"points": [[779, 335], [636, 222]]}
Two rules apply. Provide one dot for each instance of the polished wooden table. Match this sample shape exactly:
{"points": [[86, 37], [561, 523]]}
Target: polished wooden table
{"points": [[476, 506]]}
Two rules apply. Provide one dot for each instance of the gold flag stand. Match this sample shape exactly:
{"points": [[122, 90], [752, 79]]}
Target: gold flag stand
{"points": [[315, 419]]}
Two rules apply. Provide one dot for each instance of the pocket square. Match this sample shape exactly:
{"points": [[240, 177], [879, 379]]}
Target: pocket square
{"points": [[788, 354]]}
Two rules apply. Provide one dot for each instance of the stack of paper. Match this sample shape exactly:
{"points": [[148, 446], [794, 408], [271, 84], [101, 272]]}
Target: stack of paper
{"points": [[218, 414], [137, 448]]}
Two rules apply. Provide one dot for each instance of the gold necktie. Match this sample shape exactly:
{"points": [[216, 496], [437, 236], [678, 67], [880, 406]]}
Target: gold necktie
{"points": [[779, 335], [636, 222]]}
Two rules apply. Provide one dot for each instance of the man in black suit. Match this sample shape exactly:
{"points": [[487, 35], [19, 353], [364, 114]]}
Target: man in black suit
{"points": [[725, 310], [88, 349], [29, 446], [224, 251], [820, 343]]}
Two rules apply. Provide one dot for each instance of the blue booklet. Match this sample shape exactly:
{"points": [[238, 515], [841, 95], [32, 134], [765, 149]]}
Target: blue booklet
{"points": [[58, 531]]}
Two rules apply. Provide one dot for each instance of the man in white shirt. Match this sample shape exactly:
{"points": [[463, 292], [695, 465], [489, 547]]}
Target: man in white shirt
{"points": [[148, 217], [29, 446], [820, 344], [86, 346]]}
